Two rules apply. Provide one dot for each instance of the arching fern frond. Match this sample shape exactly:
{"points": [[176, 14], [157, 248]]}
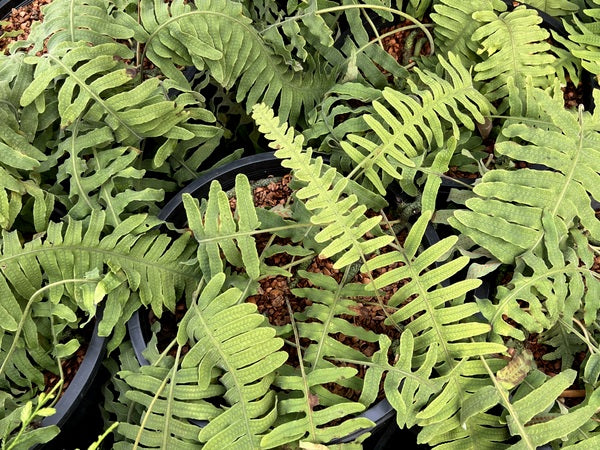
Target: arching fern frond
{"points": [[516, 47], [506, 217], [215, 35], [133, 259], [98, 87], [416, 122], [341, 217]]}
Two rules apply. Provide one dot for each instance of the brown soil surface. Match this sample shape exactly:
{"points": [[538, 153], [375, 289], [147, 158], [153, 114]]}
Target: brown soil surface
{"points": [[574, 394], [572, 95], [20, 20], [395, 44]]}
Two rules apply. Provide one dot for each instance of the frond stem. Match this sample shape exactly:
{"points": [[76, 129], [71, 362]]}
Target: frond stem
{"points": [[21, 324]]}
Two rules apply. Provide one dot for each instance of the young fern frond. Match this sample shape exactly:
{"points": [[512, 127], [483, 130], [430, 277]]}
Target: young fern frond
{"points": [[516, 47], [214, 35], [416, 122], [341, 217], [506, 216], [216, 229], [454, 26], [233, 337]]}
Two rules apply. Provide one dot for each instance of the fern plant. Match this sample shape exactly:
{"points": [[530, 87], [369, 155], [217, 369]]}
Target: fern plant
{"points": [[99, 125]]}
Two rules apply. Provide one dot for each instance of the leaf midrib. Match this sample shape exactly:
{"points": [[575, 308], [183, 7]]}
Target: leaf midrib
{"points": [[93, 95], [121, 256], [230, 369]]}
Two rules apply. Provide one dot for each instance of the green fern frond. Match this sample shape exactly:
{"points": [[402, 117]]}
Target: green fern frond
{"points": [[94, 171], [215, 35], [98, 87], [454, 26], [232, 336], [306, 422], [551, 282], [455, 419], [532, 401], [341, 218], [583, 40], [436, 314], [18, 414], [217, 231], [509, 221], [516, 47], [426, 297], [16, 152], [77, 20], [417, 121], [331, 301], [555, 8], [134, 259], [170, 397], [407, 391], [289, 41]]}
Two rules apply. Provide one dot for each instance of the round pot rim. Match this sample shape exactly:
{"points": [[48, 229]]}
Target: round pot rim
{"points": [[259, 165], [82, 381]]}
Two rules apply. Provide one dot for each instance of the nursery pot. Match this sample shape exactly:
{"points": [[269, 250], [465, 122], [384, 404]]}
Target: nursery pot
{"points": [[255, 167], [6, 6], [77, 410]]}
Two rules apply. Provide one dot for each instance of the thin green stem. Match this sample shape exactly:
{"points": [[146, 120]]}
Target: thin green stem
{"points": [[347, 7], [312, 428], [42, 399], [21, 324], [58, 359], [509, 407]]}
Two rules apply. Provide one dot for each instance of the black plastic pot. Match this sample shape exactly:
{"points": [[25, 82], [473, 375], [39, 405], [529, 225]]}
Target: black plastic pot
{"points": [[6, 6], [256, 167], [77, 412]]}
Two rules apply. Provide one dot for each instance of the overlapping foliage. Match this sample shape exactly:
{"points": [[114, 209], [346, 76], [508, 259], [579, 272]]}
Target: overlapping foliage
{"points": [[98, 124]]}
